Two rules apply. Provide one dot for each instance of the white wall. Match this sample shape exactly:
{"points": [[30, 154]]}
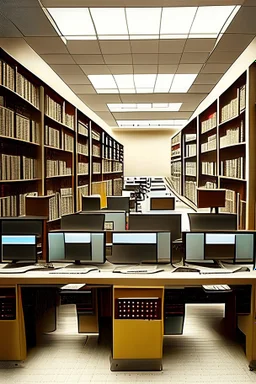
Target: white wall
{"points": [[146, 153]]}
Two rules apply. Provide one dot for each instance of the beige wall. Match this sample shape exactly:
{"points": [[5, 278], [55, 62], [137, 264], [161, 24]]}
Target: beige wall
{"points": [[146, 153]]}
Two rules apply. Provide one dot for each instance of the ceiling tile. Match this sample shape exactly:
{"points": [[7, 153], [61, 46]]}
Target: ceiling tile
{"points": [[215, 68], [107, 117], [47, 44], [118, 59], [234, 42], [82, 89], [223, 57], [90, 100], [95, 69], [194, 57], [145, 58], [66, 69], [58, 59], [244, 21], [75, 79], [171, 58], [201, 88], [7, 29], [172, 68], [120, 69], [171, 46], [99, 107], [151, 68], [112, 47], [210, 78], [144, 46], [89, 47], [88, 59], [189, 68], [199, 45], [190, 106]]}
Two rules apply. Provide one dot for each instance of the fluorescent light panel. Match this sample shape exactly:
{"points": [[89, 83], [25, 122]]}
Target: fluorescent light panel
{"points": [[150, 123], [155, 107], [142, 23]]}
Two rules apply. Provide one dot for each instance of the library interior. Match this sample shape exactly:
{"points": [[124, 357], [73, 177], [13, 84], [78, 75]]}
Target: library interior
{"points": [[128, 191]]}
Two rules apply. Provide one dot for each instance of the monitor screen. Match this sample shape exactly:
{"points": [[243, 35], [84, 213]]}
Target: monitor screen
{"points": [[18, 226], [114, 220], [18, 248], [138, 247], [85, 221], [71, 246], [90, 203], [212, 221], [156, 222], [118, 203]]}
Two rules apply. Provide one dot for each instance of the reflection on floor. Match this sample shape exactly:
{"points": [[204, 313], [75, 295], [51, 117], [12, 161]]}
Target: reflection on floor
{"points": [[201, 355]]}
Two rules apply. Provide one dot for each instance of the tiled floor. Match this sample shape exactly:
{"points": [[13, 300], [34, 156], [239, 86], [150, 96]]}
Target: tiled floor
{"points": [[201, 355]]}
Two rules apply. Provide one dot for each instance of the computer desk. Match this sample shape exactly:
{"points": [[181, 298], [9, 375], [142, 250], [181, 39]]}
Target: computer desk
{"points": [[12, 332]]}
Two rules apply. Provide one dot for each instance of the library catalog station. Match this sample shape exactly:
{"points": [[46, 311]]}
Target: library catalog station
{"points": [[127, 186]]}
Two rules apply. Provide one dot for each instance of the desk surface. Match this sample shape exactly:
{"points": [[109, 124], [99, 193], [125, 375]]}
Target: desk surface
{"points": [[106, 277]]}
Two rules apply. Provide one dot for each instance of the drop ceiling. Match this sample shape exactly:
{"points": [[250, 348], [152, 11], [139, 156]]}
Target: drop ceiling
{"points": [[150, 93]]}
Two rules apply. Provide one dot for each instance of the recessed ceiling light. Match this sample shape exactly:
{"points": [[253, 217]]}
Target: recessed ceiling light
{"points": [[124, 81], [102, 81], [176, 20], [110, 90], [145, 80], [143, 21], [182, 82], [109, 21], [150, 123], [163, 82], [155, 107]]}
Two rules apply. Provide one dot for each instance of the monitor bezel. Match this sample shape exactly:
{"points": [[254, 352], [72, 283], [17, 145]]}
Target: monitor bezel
{"points": [[19, 261]]}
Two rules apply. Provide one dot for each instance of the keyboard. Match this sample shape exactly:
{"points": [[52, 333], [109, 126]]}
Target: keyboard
{"points": [[211, 271], [66, 271], [215, 288]]}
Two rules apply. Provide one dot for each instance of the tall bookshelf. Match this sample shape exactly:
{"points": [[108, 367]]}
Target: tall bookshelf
{"points": [[49, 150], [217, 156], [176, 169]]}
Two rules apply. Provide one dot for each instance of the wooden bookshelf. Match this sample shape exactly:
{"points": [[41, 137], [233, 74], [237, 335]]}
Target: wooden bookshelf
{"points": [[189, 152], [49, 150], [176, 164]]}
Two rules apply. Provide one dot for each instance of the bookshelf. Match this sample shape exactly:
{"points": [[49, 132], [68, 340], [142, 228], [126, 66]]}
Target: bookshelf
{"points": [[49, 150], [176, 169], [215, 149]]}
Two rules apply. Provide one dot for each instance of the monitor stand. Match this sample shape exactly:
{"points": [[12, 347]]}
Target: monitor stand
{"points": [[15, 264], [77, 265]]}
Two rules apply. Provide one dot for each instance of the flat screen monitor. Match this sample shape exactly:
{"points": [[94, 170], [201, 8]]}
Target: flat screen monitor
{"points": [[18, 248], [132, 247], [85, 221], [113, 220], [120, 203], [156, 222], [76, 247], [212, 221], [208, 247], [90, 203], [22, 225]]}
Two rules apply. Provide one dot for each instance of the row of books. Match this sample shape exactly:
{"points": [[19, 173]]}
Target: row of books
{"points": [[83, 129], [67, 142], [209, 145], [230, 202], [190, 150], [7, 75], [57, 168], [242, 97], [117, 166], [176, 168], [6, 122], [176, 139], [190, 190], [18, 167], [83, 168], [232, 136], [209, 168], [61, 203], [95, 150], [69, 120], [83, 149], [27, 130], [233, 168], [109, 187], [229, 110], [96, 168], [175, 180], [106, 166], [117, 187], [210, 185], [190, 168], [52, 137], [82, 190], [209, 123], [53, 109], [95, 135], [176, 150], [190, 137], [14, 205], [96, 188], [27, 90]]}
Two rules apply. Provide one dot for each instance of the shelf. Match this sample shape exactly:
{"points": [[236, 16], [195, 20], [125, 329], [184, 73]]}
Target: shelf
{"points": [[19, 97], [233, 178], [190, 175], [58, 122], [173, 145], [175, 160], [178, 155], [190, 141], [53, 177], [51, 221], [109, 173], [208, 175], [96, 173], [83, 174], [230, 119], [82, 154], [57, 149], [82, 134], [189, 157], [233, 145], [96, 157], [19, 140], [18, 180], [209, 151], [208, 130]]}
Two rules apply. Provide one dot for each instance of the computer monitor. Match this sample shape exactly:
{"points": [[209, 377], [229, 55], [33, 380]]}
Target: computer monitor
{"points": [[208, 247], [132, 247], [212, 221], [76, 247], [29, 225], [18, 248], [113, 220], [156, 222], [83, 221], [90, 203], [118, 203]]}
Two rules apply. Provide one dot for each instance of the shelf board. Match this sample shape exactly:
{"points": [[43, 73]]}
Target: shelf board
{"points": [[233, 145], [97, 141], [96, 156], [82, 134], [19, 180], [175, 160], [96, 173], [109, 173], [209, 151], [51, 221], [57, 149], [190, 176], [208, 130], [19, 97], [190, 141], [58, 122], [178, 155], [189, 157], [229, 120], [208, 175], [174, 144], [54, 177], [19, 140], [82, 174], [82, 154], [233, 179]]}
